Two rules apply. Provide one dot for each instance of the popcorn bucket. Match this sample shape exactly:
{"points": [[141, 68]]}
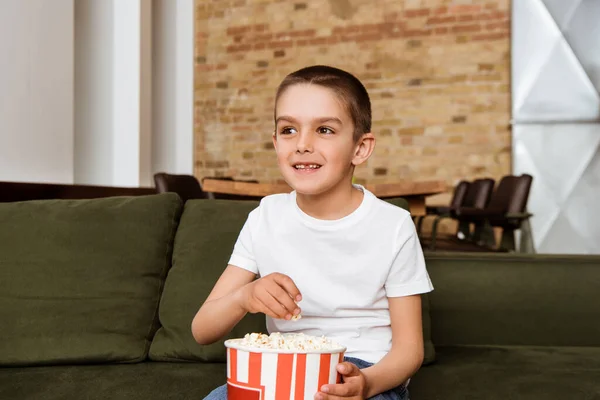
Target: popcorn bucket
{"points": [[270, 374]]}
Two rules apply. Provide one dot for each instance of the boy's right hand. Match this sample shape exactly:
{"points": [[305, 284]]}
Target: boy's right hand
{"points": [[275, 295]]}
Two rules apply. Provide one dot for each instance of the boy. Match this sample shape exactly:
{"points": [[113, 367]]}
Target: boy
{"points": [[352, 262]]}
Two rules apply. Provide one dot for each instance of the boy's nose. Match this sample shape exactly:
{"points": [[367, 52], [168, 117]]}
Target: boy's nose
{"points": [[304, 143]]}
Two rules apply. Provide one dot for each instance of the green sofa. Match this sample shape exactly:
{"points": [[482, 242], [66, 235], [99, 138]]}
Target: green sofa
{"points": [[97, 296]]}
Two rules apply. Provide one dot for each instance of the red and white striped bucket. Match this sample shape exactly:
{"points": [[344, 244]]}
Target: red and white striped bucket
{"points": [[268, 374]]}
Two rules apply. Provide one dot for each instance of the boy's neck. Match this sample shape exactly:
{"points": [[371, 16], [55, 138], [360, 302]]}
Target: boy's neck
{"points": [[332, 205]]}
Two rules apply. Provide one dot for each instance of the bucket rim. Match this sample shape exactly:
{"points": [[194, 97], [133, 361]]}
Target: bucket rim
{"points": [[232, 343]]}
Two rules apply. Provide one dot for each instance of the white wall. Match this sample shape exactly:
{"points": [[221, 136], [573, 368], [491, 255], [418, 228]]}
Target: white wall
{"points": [[173, 86], [77, 101], [93, 91], [36, 95], [113, 92]]}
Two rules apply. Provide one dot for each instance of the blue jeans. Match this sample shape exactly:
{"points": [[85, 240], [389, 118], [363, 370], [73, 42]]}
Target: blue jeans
{"points": [[399, 393]]}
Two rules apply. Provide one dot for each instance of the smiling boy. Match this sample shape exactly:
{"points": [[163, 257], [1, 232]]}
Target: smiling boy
{"points": [[352, 262]]}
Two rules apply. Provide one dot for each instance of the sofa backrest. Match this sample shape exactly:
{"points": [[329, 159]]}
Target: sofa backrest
{"points": [[80, 280], [514, 299]]}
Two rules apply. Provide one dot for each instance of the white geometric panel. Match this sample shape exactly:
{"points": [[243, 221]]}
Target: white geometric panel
{"points": [[561, 90], [583, 35], [556, 114], [559, 152], [564, 161], [562, 11], [563, 238], [532, 21], [583, 203]]}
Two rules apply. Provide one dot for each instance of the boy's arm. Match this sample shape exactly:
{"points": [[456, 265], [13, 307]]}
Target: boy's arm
{"points": [[222, 309], [236, 293], [406, 355]]}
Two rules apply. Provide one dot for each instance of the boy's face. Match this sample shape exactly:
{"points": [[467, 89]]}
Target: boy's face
{"points": [[314, 140]]}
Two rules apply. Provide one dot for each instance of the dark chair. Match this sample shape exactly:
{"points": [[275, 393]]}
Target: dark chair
{"points": [[477, 196], [506, 210], [186, 186], [458, 198]]}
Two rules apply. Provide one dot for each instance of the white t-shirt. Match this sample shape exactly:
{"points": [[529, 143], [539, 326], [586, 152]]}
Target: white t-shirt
{"points": [[345, 269]]}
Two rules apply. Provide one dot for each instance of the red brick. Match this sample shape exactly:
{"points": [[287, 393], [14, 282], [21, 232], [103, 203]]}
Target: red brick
{"points": [[440, 10], [369, 37], [392, 16], [369, 27], [466, 28], [491, 36], [238, 48], [295, 34], [417, 12], [265, 37], [318, 41], [344, 29], [441, 31], [441, 20], [465, 8], [417, 32], [259, 46], [238, 30], [260, 27], [406, 140], [284, 44]]}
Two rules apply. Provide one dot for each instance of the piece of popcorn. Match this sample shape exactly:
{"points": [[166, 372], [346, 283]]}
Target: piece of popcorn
{"points": [[287, 341]]}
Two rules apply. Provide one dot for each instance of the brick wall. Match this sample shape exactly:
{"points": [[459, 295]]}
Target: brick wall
{"points": [[437, 72]]}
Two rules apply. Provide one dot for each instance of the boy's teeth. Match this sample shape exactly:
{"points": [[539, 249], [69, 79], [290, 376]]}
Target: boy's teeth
{"points": [[311, 166]]}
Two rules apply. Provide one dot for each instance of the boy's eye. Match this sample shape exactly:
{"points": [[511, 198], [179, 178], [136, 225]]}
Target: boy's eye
{"points": [[325, 131], [287, 131]]}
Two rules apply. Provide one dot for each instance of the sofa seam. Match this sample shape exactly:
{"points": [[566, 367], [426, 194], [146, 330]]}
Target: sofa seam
{"points": [[164, 272]]}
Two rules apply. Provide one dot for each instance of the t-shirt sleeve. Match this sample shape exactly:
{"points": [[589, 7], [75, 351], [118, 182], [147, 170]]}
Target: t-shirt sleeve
{"points": [[408, 275], [243, 252]]}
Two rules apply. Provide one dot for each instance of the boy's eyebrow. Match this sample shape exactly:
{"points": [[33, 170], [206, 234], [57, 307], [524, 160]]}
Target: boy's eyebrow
{"points": [[321, 120]]}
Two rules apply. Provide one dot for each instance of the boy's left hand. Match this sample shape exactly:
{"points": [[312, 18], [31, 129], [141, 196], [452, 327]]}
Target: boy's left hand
{"points": [[353, 387]]}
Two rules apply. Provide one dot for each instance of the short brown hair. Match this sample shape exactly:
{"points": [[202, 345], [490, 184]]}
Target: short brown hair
{"points": [[346, 86]]}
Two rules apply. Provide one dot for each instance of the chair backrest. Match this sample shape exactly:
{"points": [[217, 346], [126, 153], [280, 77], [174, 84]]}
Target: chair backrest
{"points": [[479, 193], [511, 194], [186, 186], [522, 186], [459, 195]]}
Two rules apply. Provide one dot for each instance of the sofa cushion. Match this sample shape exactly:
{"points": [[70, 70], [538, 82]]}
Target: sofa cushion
{"points": [[505, 372], [141, 381], [203, 245], [515, 299], [81, 279]]}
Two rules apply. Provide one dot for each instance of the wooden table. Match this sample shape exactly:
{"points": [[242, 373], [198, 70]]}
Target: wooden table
{"points": [[414, 192]]}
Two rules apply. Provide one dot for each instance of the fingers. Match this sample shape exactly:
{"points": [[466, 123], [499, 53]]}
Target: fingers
{"points": [[339, 391], [270, 296], [273, 304], [353, 385], [348, 369], [288, 285], [284, 290]]}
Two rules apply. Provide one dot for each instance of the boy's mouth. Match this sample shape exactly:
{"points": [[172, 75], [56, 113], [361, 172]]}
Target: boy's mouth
{"points": [[303, 167]]}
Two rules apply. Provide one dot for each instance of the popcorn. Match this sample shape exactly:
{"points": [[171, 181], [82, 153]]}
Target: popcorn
{"points": [[287, 341]]}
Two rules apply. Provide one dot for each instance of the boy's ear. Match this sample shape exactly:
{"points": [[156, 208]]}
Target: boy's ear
{"points": [[364, 148]]}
